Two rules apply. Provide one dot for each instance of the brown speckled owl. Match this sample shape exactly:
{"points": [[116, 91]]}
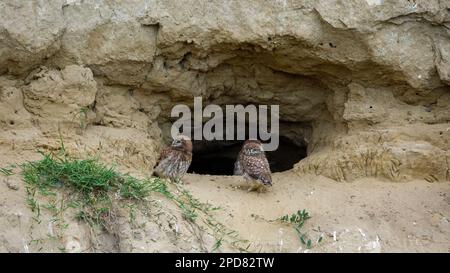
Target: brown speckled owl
{"points": [[253, 165], [175, 159]]}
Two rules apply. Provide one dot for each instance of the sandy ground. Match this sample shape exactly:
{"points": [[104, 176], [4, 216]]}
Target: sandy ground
{"points": [[363, 216], [367, 215]]}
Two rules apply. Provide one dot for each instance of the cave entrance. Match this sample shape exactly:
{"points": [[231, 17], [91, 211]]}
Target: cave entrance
{"points": [[218, 157]]}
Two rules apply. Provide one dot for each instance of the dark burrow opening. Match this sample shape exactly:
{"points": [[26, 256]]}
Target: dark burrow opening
{"points": [[218, 157]]}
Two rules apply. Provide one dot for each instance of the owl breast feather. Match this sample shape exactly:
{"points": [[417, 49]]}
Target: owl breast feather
{"points": [[173, 164]]}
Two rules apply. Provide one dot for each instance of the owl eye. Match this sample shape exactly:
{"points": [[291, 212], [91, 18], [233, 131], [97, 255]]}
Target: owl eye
{"points": [[176, 143]]}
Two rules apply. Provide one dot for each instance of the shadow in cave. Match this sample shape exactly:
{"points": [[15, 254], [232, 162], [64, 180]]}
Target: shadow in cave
{"points": [[218, 157]]}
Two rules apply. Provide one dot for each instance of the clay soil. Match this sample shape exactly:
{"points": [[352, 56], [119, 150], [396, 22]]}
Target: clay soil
{"points": [[366, 215]]}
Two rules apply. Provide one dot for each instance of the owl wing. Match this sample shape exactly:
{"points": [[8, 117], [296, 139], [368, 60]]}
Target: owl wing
{"points": [[185, 160], [238, 168], [172, 163], [164, 153], [161, 164], [257, 168]]}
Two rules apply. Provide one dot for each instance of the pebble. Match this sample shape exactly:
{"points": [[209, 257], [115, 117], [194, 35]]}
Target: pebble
{"points": [[12, 185]]}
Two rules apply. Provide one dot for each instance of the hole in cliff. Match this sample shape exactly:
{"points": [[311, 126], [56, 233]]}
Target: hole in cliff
{"points": [[218, 157]]}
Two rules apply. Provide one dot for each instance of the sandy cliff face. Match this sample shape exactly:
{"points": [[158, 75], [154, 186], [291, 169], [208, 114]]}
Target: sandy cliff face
{"points": [[371, 78], [363, 83]]}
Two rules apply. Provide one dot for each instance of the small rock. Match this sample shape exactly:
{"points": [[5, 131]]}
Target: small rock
{"points": [[73, 246], [12, 185]]}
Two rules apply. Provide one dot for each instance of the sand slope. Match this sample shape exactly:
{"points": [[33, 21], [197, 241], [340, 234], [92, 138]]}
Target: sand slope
{"points": [[364, 216]]}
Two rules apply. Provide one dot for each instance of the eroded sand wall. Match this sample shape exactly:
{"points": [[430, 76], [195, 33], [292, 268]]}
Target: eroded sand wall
{"points": [[370, 77]]}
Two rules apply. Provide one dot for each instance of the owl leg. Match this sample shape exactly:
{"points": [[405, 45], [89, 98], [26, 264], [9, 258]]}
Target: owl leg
{"points": [[261, 188], [178, 180], [253, 186]]}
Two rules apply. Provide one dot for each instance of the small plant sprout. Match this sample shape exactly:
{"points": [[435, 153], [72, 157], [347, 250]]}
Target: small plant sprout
{"points": [[297, 220], [217, 245], [7, 171], [83, 117]]}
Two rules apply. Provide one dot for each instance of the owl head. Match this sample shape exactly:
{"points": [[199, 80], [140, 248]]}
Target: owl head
{"points": [[182, 143], [253, 147]]}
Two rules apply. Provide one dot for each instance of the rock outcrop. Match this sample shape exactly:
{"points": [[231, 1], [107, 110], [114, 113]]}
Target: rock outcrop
{"points": [[371, 78]]}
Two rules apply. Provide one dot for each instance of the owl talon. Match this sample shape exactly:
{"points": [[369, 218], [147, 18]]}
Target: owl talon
{"points": [[262, 189], [178, 181]]}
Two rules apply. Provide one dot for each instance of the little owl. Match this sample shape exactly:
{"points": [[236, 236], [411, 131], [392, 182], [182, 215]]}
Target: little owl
{"points": [[253, 165], [175, 159]]}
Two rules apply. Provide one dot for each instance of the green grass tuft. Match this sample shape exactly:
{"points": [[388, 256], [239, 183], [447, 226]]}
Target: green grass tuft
{"points": [[87, 177], [92, 184], [90, 188]]}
